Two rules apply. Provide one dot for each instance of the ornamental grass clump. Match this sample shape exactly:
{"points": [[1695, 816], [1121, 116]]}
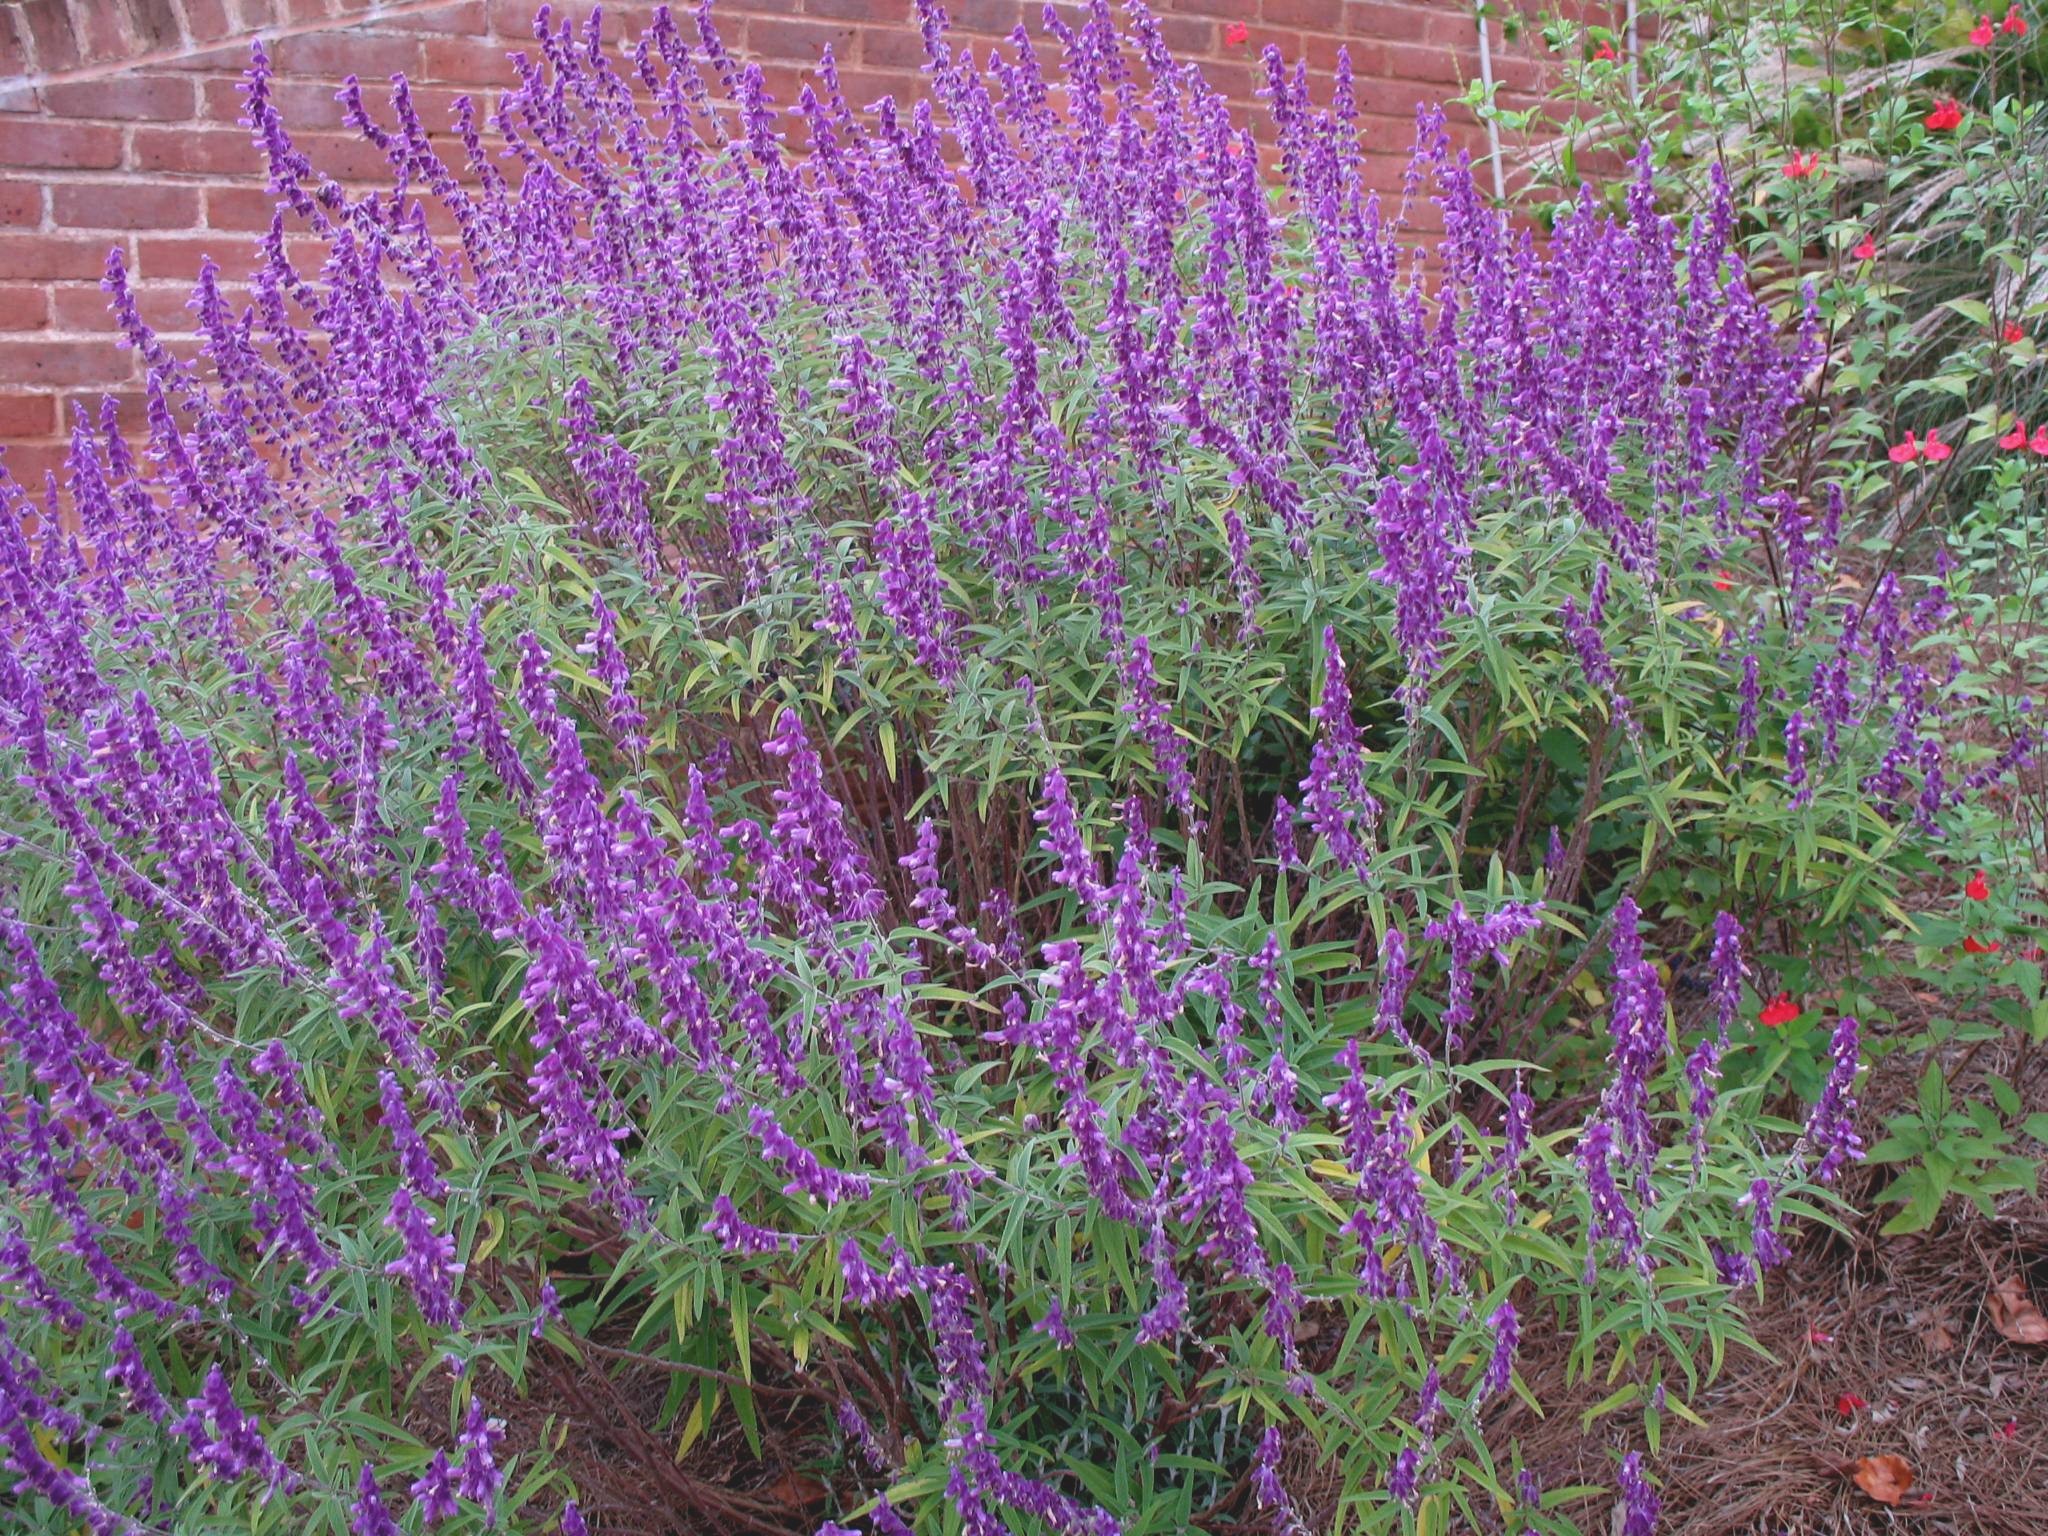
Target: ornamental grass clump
{"points": [[960, 770]]}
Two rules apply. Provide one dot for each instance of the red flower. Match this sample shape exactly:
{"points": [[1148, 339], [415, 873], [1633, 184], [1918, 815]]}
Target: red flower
{"points": [[1722, 581], [2012, 333], [1978, 889], [2015, 24], [1814, 1335], [1976, 946], [2016, 439], [1936, 450], [1779, 1010], [1847, 1403], [1906, 452], [2010, 1429], [1799, 167], [2039, 441], [1980, 35], [1604, 51], [1237, 34], [1947, 114], [1866, 249]]}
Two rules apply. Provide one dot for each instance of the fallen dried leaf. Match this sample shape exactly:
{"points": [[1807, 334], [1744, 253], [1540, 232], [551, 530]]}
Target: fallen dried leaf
{"points": [[1884, 1478], [1936, 1334], [2014, 1314]]}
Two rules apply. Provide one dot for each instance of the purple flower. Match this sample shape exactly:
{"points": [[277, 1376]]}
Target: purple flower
{"points": [[1468, 939], [367, 1515], [609, 666], [427, 1262], [434, 1491], [743, 1237], [1334, 799], [1054, 1325], [1639, 1505], [1831, 1127], [1612, 1218], [480, 1477], [1636, 1027], [1500, 1364], [807, 1175], [224, 1440]]}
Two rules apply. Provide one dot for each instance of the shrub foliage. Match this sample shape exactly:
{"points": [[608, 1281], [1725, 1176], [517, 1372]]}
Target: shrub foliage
{"points": [[1093, 811]]}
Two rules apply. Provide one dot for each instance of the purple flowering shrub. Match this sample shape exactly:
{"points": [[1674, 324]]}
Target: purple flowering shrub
{"points": [[990, 778]]}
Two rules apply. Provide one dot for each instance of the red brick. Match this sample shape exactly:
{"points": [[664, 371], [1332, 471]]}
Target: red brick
{"points": [[99, 32], [164, 307], [176, 258], [461, 17], [206, 19], [303, 104], [513, 19], [30, 462], [21, 202], [1188, 36], [247, 208], [865, 87], [893, 48], [125, 98], [58, 146], [1408, 23], [217, 151], [83, 307], [468, 61], [1440, 63], [331, 55], [77, 257], [1310, 15], [124, 205], [771, 37], [154, 23], [231, 57], [990, 18], [132, 406], [48, 365], [13, 43], [23, 307], [346, 157], [876, 13], [49, 24], [24, 416]]}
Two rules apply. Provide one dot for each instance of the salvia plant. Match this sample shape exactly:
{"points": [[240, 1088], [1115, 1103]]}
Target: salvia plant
{"points": [[1017, 781], [1887, 155]]}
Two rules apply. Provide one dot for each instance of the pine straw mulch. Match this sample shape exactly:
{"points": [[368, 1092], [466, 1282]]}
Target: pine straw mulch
{"points": [[595, 1417], [1900, 1322]]}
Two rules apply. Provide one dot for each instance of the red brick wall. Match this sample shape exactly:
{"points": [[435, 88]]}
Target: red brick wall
{"points": [[118, 125]]}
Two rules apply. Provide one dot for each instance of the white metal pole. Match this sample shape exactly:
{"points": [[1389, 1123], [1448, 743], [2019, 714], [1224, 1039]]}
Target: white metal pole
{"points": [[1635, 53], [1486, 80]]}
